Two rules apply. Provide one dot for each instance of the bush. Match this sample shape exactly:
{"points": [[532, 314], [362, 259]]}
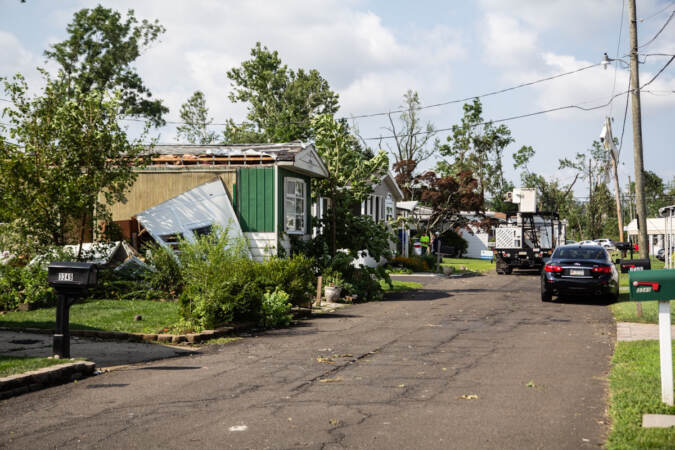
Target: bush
{"points": [[275, 310], [295, 275], [24, 285], [166, 276], [451, 238], [415, 263]]}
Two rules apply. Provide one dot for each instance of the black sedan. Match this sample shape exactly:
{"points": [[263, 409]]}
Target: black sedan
{"points": [[585, 270]]}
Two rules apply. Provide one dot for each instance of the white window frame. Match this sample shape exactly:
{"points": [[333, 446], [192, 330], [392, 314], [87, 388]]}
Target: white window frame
{"points": [[293, 197]]}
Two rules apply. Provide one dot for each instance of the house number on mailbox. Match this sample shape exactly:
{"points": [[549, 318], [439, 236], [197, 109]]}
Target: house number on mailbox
{"points": [[65, 276]]}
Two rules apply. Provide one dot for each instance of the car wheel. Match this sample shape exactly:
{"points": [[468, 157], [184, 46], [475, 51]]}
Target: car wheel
{"points": [[546, 296]]}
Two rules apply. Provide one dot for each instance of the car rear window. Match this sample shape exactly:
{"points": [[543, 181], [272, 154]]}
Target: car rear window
{"points": [[580, 253]]}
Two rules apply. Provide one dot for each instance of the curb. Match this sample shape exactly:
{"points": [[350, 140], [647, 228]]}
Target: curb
{"points": [[190, 338], [45, 377]]}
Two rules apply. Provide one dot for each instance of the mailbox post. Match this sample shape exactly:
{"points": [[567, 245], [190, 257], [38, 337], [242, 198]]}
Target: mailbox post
{"points": [[647, 285], [71, 281]]}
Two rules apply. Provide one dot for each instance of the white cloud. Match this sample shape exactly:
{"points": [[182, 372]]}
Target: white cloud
{"points": [[507, 42]]}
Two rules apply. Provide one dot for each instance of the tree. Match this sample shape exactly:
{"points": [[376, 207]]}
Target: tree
{"points": [[656, 196], [477, 146], [448, 196], [411, 139], [69, 160], [351, 176], [99, 53], [281, 101], [195, 114], [594, 168]]}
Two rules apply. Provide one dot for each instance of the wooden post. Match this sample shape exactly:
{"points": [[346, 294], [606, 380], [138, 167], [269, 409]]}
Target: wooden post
{"points": [[317, 301]]}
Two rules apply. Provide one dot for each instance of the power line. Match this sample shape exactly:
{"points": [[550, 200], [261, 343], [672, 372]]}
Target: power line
{"points": [[616, 54], [658, 33], [659, 72], [623, 126], [658, 12], [487, 94]]}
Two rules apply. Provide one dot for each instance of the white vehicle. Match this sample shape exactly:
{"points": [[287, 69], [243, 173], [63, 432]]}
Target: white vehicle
{"points": [[606, 243], [587, 243]]}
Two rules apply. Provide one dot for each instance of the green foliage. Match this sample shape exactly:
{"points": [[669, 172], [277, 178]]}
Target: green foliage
{"points": [[24, 285], [295, 275], [451, 238], [195, 114], [70, 164], [333, 278], [351, 177], [276, 309], [281, 101], [219, 281], [99, 55], [476, 146], [166, 276], [635, 390]]}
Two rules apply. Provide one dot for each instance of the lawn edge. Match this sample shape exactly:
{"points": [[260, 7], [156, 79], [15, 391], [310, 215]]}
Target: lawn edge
{"points": [[35, 380]]}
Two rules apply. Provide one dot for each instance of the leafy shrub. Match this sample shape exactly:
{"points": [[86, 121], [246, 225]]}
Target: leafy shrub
{"points": [[24, 285], [166, 276], [295, 275], [276, 309], [415, 263], [451, 238]]}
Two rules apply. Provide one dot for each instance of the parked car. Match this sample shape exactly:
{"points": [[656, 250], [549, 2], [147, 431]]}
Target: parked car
{"points": [[661, 255], [608, 244], [585, 270], [587, 242]]}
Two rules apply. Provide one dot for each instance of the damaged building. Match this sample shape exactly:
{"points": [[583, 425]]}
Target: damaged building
{"points": [[260, 191]]}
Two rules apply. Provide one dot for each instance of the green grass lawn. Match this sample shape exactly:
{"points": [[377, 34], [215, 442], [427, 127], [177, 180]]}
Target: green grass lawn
{"points": [[626, 311], [400, 285], [12, 365], [472, 265], [635, 389], [109, 315]]}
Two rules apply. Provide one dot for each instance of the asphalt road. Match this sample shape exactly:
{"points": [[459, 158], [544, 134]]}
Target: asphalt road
{"points": [[465, 363]]}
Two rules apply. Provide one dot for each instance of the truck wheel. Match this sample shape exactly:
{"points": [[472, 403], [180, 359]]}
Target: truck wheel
{"points": [[508, 270]]}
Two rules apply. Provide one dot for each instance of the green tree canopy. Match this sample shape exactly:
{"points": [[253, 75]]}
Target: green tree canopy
{"points": [[351, 175], [281, 101], [477, 146], [63, 161], [195, 116], [99, 53]]}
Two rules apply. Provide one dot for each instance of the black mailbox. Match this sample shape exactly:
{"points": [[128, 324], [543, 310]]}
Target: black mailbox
{"points": [[633, 265], [72, 277], [70, 280]]}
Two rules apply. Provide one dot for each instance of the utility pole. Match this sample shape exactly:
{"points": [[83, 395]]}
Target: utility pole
{"points": [[608, 139], [641, 209]]}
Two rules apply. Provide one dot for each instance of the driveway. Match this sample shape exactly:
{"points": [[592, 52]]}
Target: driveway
{"points": [[464, 363]]}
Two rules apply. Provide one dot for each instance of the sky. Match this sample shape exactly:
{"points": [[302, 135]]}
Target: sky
{"points": [[373, 51]]}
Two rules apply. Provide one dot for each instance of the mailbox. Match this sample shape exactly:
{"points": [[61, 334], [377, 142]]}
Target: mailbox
{"points": [[70, 280], [647, 285], [634, 265]]}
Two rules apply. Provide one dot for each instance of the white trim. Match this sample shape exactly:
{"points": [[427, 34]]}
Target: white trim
{"points": [[295, 197]]}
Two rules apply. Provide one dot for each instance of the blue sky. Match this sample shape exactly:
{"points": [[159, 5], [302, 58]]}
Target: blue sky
{"points": [[372, 51]]}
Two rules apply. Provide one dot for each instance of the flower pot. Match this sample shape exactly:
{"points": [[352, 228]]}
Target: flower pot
{"points": [[332, 293]]}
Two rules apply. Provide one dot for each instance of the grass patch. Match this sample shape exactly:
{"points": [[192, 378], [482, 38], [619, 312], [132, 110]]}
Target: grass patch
{"points": [[635, 389], [109, 315], [472, 265], [12, 365], [400, 285], [626, 311]]}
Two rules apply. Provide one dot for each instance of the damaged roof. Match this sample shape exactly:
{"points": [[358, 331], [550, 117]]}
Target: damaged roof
{"points": [[302, 156]]}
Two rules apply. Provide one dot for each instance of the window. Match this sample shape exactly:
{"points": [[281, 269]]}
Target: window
{"points": [[388, 208], [295, 206], [202, 231]]}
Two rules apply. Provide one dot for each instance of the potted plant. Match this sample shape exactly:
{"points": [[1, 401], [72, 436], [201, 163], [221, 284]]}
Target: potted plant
{"points": [[333, 286]]}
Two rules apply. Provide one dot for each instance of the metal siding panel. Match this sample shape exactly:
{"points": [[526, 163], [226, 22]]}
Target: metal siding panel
{"points": [[244, 200], [269, 200], [260, 199]]}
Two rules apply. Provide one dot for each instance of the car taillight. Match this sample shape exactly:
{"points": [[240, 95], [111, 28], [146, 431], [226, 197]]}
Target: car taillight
{"points": [[552, 268], [601, 269]]}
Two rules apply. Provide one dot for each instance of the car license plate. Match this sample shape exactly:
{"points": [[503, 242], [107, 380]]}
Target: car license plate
{"points": [[577, 272]]}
